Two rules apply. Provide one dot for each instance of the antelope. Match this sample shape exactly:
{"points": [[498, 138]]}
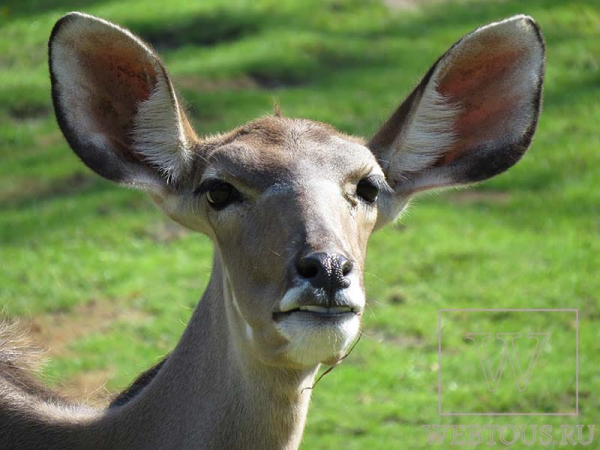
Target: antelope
{"points": [[289, 205]]}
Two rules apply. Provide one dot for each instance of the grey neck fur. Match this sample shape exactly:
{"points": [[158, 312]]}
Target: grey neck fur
{"points": [[209, 394]]}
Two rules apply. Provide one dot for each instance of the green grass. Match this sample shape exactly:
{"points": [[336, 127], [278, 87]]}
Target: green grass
{"points": [[529, 238]]}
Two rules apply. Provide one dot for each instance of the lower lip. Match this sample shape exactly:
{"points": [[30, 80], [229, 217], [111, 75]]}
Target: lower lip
{"points": [[323, 316]]}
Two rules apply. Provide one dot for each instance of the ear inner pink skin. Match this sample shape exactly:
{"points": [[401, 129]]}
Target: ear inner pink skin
{"points": [[469, 76], [486, 106], [125, 82]]}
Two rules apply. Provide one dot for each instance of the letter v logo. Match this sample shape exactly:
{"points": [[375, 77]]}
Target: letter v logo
{"points": [[508, 353]]}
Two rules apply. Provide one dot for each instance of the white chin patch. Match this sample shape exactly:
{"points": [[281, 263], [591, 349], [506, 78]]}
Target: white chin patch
{"points": [[313, 340], [316, 334]]}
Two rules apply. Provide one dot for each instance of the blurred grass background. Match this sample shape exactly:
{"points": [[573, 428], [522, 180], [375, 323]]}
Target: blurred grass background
{"points": [[107, 283]]}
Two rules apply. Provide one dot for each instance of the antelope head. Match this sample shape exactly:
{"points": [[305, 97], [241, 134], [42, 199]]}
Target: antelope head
{"points": [[290, 203]]}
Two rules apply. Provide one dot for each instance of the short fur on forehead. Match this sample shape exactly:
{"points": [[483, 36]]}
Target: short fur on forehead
{"points": [[277, 130]]}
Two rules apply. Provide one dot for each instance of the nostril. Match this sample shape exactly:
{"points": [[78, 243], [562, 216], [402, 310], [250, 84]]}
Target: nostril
{"points": [[347, 267], [308, 267]]}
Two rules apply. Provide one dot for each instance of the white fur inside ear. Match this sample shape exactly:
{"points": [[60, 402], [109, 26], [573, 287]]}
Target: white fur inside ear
{"points": [[158, 133], [430, 132]]}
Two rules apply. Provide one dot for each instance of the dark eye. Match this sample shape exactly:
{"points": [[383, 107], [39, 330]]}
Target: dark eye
{"points": [[367, 190], [221, 194]]}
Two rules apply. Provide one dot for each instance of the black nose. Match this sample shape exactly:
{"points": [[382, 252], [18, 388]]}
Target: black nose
{"points": [[327, 271]]}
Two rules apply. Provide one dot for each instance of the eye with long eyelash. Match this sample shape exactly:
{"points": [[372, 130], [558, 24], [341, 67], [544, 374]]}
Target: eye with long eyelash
{"points": [[368, 188], [219, 194]]}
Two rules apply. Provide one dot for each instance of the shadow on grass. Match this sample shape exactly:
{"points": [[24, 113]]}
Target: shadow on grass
{"points": [[34, 191], [207, 29], [34, 216], [12, 9], [571, 92], [474, 14]]}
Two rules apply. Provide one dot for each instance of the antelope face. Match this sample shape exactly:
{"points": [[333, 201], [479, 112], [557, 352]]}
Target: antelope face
{"points": [[290, 203]]}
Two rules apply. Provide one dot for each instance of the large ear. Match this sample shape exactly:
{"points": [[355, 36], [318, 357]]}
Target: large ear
{"points": [[472, 116], [115, 104]]}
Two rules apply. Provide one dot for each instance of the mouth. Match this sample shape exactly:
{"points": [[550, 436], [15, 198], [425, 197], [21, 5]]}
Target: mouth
{"points": [[305, 305], [319, 312]]}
